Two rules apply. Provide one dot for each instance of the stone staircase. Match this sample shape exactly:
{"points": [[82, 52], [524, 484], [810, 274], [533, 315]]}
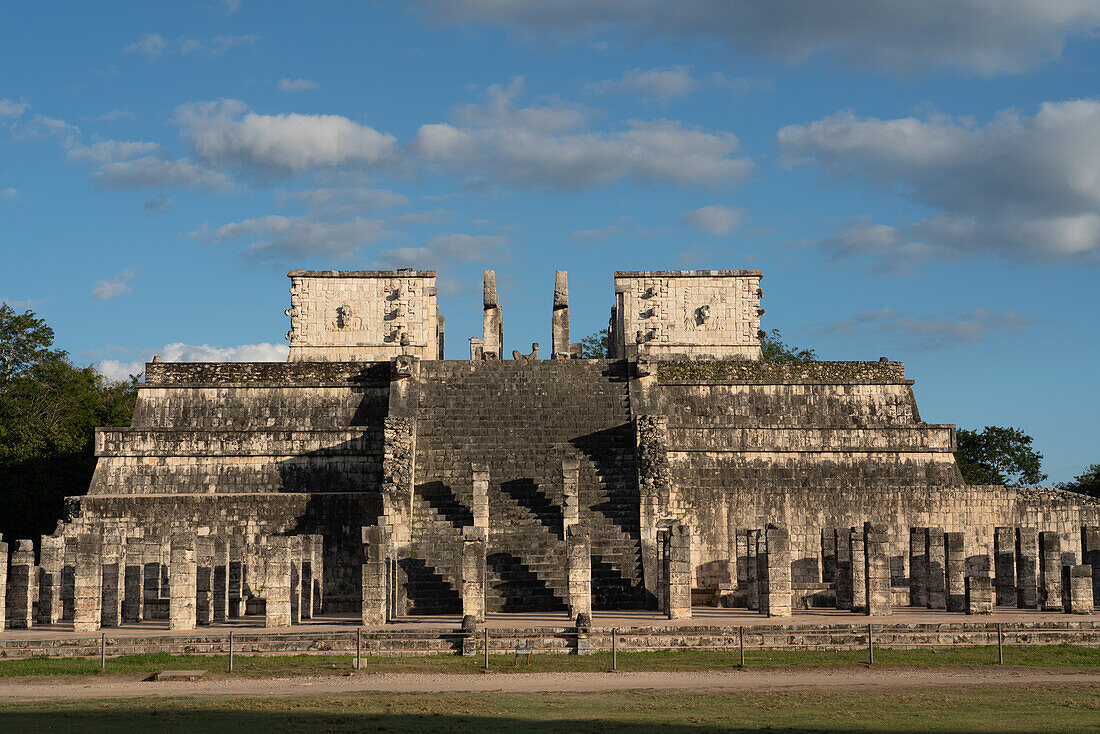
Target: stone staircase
{"points": [[521, 420]]}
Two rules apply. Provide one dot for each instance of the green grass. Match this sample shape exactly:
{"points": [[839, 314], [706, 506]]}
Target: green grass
{"points": [[1052, 709], [1053, 656]]}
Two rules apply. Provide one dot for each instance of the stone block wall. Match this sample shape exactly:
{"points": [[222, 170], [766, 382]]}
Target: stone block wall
{"points": [[692, 313], [338, 316]]}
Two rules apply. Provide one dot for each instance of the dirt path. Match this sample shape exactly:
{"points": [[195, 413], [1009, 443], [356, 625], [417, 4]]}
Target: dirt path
{"points": [[851, 678]]}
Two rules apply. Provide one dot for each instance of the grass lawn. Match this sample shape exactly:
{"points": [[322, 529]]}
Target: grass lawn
{"points": [[1050, 709], [1054, 656]]}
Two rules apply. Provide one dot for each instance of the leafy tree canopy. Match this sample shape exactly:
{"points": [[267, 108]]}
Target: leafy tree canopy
{"points": [[1087, 482], [49, 409], [997, 455], [594, 346], [776, 350]]}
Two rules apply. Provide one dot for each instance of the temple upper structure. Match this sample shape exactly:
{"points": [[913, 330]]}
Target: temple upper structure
{"points": [[363, 315], [697, 314]]}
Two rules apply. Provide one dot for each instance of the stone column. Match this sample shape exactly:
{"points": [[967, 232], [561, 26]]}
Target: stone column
{"points": [[88, 583], [828, 556], [235, 579], [1090, 552], [979, 595], [1004, 566], [1050, 571], [918, 567], [3, 582], [752, 569], [152, 556], [318, 563], [654, 489], [774, 561], [578, 551], [183, 586], [876, 541], [937, 570], [295, 579], [492, 323], [843, 569], [20, 585], [474, 547], [204, 580], [679, 571], [374, 573], [399, 443], [114, 578], [858, 553], [1027, 568], [133, 580], [68, 577], [661, 555], [480, 504], [278, 591], [562, 348], [305, 609], [570, 482], [221, 579], [51, 557], [954, 545], [1080, 589]]}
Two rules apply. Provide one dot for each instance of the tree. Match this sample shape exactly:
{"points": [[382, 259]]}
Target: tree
{"points": [[998, 455], [1087, 482], [25, 340], [49, 409], [775, 350], [594, 346]]}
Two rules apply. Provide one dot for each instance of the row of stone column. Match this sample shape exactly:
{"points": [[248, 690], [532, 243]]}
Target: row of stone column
{"points": [[104, 580], [1027, 572]]}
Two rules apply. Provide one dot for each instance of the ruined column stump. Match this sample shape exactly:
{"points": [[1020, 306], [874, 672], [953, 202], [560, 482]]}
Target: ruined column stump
{"points": [[50, 561], [114, 578], [955, 556], [88, 583], [843, 569], [858, 558], [474, 549], [21, 585], [1004, 566], [1027, 568], [133, 580], [876, 540], [579, 558], [1050, 571], [1079, 580], [204, 580], [774, 559], [374, 575], [678, 560], [183, 582], [277, 594], [979, 595]]}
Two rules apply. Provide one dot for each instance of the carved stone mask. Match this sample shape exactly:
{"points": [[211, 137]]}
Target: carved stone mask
{"points": [[343, 317]]}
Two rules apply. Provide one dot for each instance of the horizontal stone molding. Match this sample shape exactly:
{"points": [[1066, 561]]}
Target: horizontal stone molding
{"points": [[936, 438], [196, 373], [768, 371], [258, 442]]}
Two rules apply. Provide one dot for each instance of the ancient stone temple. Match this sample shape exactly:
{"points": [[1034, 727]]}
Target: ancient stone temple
{"points": [[368, 473]]}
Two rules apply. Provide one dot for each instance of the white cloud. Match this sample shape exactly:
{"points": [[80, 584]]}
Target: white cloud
{"points": [[549, 146], [928, 332], [152, 172], [345, 201], [986, 36], [151, 46], [41, 127], [232, 6], [599, 234], [715, 219], [106, 151], [1025, 187], [694, 257], [112, 115], [469, 248], [274, 236], [116, 286], [660, 84], [226, 134], [297, 85], [427, 218], [157, 205], [9, 193], [217, 45], [11, 108], [179, 352]]}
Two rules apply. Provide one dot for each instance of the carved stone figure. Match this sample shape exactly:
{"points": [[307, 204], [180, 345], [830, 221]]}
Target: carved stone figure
{"points": [[532, 357]]}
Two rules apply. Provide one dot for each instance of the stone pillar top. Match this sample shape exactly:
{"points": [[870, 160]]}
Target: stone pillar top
{"points": [[489, 298]]}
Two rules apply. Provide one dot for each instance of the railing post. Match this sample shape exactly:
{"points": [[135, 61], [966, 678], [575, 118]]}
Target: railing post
{"points": [[486, 648], [614, 649], [870, 646], [741, 643], [1000, 645], [230, 651]]}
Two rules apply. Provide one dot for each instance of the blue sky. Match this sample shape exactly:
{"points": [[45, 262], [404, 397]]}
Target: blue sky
{"points": [[916, 180]]}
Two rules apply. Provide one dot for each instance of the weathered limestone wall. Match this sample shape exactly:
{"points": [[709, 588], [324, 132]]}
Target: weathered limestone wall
{"points": [[366, 315], [712, 314]]}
